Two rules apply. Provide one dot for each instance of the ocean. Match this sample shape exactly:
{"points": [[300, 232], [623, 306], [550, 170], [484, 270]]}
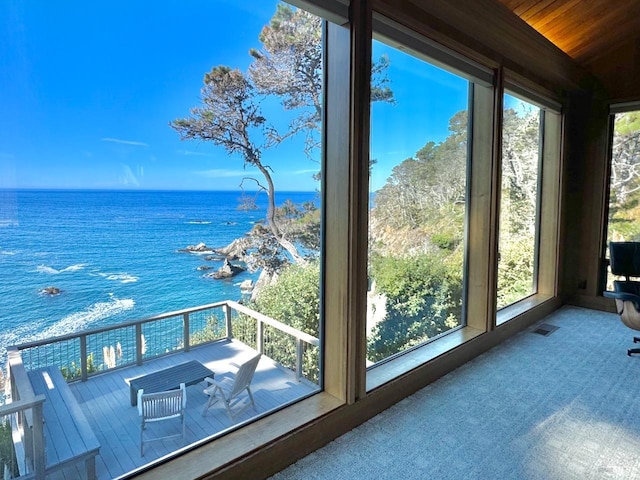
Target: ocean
{"points": [[114, 255]]}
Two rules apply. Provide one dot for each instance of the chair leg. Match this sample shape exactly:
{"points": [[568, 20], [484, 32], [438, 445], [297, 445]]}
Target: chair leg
{"points": [[253, 404], [636, 339], [633, 350], [212, 399], [141, 440]]}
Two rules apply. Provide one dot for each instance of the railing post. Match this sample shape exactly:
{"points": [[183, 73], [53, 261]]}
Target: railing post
{"points": [[227, 317], [299, 353], [84, 374], [38, 441], [186, 332], [138, 343], [260, 335]]}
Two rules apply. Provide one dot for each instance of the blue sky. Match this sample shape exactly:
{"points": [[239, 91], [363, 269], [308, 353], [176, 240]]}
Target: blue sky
{"points": [[87, 90]]}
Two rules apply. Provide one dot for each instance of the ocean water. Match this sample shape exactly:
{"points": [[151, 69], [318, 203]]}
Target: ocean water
{"points": [[113, 254]]}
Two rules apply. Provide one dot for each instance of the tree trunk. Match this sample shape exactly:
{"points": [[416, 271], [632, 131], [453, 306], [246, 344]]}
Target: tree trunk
{"points": [[271, 218]]}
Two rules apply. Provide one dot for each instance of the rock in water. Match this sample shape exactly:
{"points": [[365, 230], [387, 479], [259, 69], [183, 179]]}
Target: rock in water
{"points": [[199, 248], [205, 267], [236, 249], [50, 291], [246, 286], [227, 270]]}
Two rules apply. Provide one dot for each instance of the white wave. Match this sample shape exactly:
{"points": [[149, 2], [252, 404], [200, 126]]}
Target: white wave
{"points": [[7, 252], [120, 277], [83, 319], [73, 323], [45, 269], [199, 222], [53, 271], [74, 268]]}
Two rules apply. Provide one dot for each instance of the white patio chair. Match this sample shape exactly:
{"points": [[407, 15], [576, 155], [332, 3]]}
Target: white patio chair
{"points": [[230, 389], [155, 407]]}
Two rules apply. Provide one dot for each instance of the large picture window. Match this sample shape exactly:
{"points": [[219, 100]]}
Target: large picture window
{"points": [[624, 182], [519, 200], [160, 219], [418, 201]]}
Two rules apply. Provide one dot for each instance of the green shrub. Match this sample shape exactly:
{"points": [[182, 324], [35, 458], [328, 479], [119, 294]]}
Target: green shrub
{"points": [[424, 299], [294, 299], [7, 453]]}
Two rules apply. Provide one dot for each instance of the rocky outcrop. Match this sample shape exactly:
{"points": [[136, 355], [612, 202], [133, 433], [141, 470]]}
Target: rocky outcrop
{"points": [[227, 270], [205, 267], [246, 287], [51, 291], [199, 248], [236, 249]]}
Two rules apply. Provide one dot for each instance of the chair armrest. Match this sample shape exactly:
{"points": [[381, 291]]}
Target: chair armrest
{"points": [[140, 392], [625, 297], [209, 380], [183, 388]]}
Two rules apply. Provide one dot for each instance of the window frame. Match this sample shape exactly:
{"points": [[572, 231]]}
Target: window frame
{"points": [[549, 193]]}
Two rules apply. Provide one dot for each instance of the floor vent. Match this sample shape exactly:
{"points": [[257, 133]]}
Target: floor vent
{"points": [[545, 329]]}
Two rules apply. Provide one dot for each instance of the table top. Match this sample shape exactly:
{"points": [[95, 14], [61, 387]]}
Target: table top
{"points": [[170, 378]]}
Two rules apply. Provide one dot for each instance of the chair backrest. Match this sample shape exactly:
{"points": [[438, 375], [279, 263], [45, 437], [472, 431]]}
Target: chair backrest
{"points": [[162, 405], [244, 375], [625, 258]]}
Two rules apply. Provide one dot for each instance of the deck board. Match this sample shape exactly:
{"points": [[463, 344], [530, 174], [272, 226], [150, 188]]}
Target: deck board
{"points": [[105, 401]]}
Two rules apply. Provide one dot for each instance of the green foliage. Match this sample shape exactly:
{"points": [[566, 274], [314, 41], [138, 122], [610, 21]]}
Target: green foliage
{"points": [[7, 453], [74, 371], [624, 190], [215, 329], [293, 299], [515, 269], [423, 190], [445, 241], [424, 298]]}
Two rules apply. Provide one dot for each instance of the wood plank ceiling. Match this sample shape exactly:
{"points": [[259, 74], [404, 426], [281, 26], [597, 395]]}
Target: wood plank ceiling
{"points": [[584, 29]]}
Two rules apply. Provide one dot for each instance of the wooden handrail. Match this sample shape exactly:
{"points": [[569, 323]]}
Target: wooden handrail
{"points": [[310, 339], [184, 316], [21, 405], [131, 323]]}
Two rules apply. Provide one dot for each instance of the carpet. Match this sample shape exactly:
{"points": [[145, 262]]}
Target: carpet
{"points": [[562, 406]]}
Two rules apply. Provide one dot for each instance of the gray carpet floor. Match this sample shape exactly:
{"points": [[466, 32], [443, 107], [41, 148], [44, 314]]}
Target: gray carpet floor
{"points": [[563, 406]]}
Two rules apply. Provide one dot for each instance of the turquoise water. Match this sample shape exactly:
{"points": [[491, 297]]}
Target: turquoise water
{"points": [[113, 254]]}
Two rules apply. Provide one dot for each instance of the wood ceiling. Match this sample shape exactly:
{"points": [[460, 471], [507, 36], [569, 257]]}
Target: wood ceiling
{"points": [[584, 29]]}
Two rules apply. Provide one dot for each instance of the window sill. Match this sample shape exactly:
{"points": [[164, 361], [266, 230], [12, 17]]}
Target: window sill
{"points": [[385, 372], [516, 309], [208, 459]]}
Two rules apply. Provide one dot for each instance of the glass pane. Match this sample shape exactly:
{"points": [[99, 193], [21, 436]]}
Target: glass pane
{"points": [[624, 186], [159, 187], [517, 242], [417, 211]]}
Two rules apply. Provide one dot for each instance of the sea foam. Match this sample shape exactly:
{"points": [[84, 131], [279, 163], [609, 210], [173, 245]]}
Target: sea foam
{"points": [[53, 271], [73, 323], [83, 319], [120, 277]]}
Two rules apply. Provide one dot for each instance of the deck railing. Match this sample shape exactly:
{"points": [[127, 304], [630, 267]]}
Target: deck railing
{"points": [[22, 418], [80, 355]]}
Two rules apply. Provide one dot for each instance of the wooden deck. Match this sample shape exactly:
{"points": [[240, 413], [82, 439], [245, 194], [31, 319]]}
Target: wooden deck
{"points": [[105, 402]]}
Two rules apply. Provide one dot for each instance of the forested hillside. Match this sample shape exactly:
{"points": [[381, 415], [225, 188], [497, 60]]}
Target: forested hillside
{"points": [[417, 233]]}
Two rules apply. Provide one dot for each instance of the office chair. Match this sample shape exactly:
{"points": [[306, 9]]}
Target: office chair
{"points": [[625, 262]]}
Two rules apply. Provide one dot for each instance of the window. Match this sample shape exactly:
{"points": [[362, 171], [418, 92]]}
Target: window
{"points": [[150, 218], [519, 200], [418, 200], [624, 181]]}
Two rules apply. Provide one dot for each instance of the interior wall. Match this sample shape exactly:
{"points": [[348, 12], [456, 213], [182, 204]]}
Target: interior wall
{"points": [[586, 159]]}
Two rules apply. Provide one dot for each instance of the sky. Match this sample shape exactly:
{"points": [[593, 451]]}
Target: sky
{"points": [[87, 91]]}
